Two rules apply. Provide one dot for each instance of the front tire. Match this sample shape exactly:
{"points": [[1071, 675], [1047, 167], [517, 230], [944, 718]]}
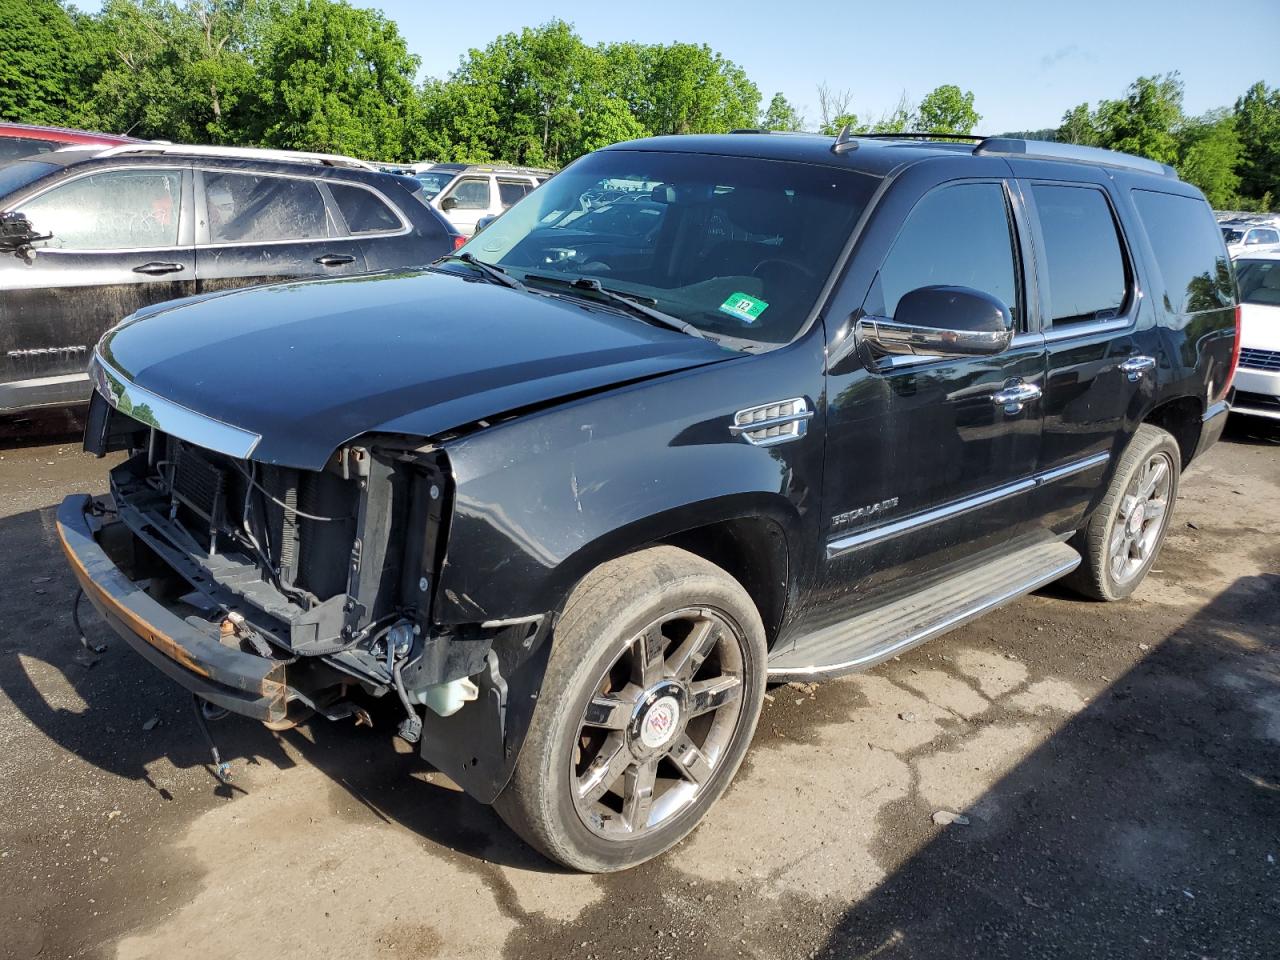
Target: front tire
{"points": [[650, 699], [1122, 539]]}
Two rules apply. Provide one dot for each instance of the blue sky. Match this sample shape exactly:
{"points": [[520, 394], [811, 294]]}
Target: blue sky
{"points": [[1025, 62]]}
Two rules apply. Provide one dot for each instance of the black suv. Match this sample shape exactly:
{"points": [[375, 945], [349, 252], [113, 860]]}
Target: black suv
{"points": [[572, 497], [90, 235]]}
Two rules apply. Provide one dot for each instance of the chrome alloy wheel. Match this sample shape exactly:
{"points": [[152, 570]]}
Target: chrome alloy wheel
{"points": [[1142, 514], [658, 723]]}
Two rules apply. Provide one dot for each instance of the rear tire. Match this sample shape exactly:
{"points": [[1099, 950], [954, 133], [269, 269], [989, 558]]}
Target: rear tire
{"points": [[650, 700], [1122, 539]]}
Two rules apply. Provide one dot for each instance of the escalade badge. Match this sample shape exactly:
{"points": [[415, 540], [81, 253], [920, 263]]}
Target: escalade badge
{"points": [[870, 510]]}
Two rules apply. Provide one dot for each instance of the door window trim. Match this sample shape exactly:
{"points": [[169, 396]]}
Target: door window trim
{"points": [[186, 239], [1133, 288]]}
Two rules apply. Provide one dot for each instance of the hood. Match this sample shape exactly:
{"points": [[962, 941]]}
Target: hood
{"points": [[305, 367]]}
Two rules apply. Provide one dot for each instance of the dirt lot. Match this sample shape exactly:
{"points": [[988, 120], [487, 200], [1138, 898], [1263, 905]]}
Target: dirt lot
{"points": [[1119, 766]]}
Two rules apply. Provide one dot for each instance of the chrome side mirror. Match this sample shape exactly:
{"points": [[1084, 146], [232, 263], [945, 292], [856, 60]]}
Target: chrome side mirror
{"points": [[941, 321]]}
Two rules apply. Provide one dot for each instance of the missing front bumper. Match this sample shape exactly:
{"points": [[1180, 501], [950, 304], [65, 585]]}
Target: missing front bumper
{"points": [[241, 682]]}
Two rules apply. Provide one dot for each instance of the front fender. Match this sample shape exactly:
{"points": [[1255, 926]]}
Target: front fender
{"points": [[540, 500]]}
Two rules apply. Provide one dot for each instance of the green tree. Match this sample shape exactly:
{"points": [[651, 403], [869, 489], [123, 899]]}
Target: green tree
{"points": [[542, 96], [1208, 156], [781, 115], [1145, 121], [336, 78], [42, 62], [693, 89], [1079, 125], [1257, 117], [947, 109], [177, 71]]}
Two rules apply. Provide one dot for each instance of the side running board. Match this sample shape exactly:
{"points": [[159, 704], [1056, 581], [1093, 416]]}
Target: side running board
{"points": [[869, 638]]}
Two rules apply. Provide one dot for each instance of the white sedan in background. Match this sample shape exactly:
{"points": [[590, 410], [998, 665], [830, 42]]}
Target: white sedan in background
{"points": [[1257, 380]]}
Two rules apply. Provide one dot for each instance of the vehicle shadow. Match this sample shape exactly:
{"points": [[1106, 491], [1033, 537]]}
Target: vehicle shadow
{"points": [[1252, 431], [1144, 827]]}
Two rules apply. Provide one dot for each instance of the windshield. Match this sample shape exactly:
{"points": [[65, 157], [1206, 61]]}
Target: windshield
{"points": [[1231, 236], [434, 181], [1259, 281], [14, 176], [737, 247]]}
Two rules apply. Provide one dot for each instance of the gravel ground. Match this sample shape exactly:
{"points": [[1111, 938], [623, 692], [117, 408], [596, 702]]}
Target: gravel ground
{"points": [[1116, 769]]}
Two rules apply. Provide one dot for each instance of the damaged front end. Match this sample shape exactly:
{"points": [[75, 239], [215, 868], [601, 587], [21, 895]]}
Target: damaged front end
{"points": [[272, 591]]}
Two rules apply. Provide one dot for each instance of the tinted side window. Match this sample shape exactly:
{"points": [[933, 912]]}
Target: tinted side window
{"points": [[472, 194], [362, 210], [1086, 267], [1189, 251], [511, 191], [119, 210], [254, 208], [956, 235]]}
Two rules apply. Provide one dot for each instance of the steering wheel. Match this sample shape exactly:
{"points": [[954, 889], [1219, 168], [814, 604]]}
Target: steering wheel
{"points": [[762, 267]]}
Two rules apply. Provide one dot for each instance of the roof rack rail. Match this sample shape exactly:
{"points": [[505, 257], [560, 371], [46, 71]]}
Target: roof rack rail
{"points": [[241, 153], [1045, 150], [923, 135]]}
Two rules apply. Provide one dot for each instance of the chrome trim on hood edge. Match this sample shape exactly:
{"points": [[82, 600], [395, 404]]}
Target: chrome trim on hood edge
{"points": [[172, 418]]}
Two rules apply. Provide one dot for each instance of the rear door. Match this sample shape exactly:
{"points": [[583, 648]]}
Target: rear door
{"points": [[511, 190], [390, 236], [262, 227], [120, 241], [1100, 338]]}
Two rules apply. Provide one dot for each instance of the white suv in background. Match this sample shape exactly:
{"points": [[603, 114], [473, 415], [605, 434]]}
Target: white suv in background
{"points": [[1241, 235], [466, 193], [1257, 379]]}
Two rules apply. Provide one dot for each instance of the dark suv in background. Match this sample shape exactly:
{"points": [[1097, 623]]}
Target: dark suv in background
{"points": [[571, 497], [117, 229]]}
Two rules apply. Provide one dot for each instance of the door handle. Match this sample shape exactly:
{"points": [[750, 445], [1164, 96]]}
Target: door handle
{"points": [[1014, 395], [157, 267], [1135, 367], [334, 259]]}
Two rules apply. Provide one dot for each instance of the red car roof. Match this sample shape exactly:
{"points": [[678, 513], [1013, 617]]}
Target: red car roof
{"points": [[62, 134]]}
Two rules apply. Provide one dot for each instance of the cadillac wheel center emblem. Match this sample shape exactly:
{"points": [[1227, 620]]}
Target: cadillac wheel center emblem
{"points": [[660, 722]]}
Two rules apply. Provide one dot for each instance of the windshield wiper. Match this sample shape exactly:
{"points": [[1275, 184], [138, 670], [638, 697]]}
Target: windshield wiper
{"points": [[495, 274], [630, 304]]}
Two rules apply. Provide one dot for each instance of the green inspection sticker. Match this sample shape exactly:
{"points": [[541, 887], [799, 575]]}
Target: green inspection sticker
{"points": [[743, 306]]}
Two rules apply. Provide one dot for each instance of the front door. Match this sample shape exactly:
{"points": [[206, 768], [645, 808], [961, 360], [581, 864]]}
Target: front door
{"points": [[464, 203], [258, 228], [926, 464], [119, 242]]}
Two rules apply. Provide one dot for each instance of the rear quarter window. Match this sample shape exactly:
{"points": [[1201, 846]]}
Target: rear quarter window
{"points": [[1189, 251], [363, 211]]}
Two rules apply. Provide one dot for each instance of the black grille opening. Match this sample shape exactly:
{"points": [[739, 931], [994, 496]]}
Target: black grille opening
{"points": [[304, 521]]}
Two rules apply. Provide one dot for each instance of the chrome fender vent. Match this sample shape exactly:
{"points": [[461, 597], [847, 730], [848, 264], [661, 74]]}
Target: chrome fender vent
{"points": [[772, 423]]}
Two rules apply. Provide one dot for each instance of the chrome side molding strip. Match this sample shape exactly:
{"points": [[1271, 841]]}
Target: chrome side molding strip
{"points": [[841, 545], [172, 418]]}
